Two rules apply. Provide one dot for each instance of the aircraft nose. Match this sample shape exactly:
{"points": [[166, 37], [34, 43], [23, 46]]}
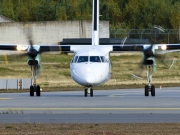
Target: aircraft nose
{"points": [[89, 78]]}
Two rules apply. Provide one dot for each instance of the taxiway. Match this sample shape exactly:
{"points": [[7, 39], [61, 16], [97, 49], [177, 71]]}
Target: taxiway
{"points": [[107, 106]]}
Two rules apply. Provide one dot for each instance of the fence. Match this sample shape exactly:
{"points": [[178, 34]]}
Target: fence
{"points": [[168, 36], [19, 84]]}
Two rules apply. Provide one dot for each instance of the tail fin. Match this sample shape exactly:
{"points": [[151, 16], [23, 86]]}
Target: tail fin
{"points": [[95, 23]]}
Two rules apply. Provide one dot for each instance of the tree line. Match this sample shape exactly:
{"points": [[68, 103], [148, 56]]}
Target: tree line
{"points": [[134, 14]]}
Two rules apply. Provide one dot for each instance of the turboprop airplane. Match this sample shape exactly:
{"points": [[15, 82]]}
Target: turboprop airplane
{"points": [[91, 65]]}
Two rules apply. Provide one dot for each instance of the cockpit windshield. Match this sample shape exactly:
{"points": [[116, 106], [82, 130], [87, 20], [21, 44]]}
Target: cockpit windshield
{"points": [[80, 59], [95, 59]]}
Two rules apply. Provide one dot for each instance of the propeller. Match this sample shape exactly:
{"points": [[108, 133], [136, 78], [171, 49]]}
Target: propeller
{"points": [[149, 55], [32, 51], [156, 36]]}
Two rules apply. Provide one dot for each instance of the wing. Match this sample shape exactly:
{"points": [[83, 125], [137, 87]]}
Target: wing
{"points": [[166, 48], [40, 48], [55, 48], [10, 47], [128, 47], [172, 48]]}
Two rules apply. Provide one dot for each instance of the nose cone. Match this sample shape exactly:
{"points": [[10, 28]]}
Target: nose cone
{"points": [[89, 79]]}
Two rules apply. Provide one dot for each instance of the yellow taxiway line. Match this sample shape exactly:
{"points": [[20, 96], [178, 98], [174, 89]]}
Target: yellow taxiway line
{"points": [[5, 98]]}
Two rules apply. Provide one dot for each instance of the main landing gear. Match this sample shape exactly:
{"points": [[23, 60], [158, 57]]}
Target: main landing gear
{"points": [[34, 87], [149, 87], [88, 91]]}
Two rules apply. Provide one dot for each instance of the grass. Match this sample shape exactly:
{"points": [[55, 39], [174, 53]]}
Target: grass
{"points": [[56, 72], [91, 129]]}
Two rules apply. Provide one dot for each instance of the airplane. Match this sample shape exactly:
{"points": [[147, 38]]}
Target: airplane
{"points": [[91, 65]]}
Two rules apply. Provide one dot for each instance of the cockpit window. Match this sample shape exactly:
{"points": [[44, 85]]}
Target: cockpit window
{"points": [[75, 59], [103, 59], [83, 59], [95, 59], [79, 59]]}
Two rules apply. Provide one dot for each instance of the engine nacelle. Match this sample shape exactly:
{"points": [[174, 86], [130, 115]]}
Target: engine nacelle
{"points": [[32, 62], [148, 62], [35, 62]]}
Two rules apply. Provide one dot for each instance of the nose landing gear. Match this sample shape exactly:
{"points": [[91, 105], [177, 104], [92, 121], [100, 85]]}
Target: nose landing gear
{"points": [[88, 91]]}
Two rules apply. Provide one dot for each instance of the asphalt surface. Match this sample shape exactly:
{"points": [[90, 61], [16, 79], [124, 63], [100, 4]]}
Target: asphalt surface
{"points": [[107, 106]]}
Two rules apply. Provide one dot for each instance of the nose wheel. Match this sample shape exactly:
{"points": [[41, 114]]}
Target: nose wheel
{"points": [[88, 91]]}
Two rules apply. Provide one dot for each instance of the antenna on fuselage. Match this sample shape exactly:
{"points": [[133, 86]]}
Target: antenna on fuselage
{"points": [[95, 23]]}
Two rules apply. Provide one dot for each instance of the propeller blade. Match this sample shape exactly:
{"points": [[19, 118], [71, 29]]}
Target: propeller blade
{"points": [[138, 73], [170, 60], [28, 32], [32, 52]]}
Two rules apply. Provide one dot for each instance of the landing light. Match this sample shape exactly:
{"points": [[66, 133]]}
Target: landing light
{"points": [[21, 48], [163, 47]]}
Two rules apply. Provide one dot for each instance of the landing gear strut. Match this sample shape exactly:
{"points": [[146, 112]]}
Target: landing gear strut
{"points": [[149, 87], [34, 87], [88, 91]]}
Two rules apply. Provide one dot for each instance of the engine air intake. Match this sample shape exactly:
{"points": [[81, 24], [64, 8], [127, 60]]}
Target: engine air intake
{"points": [[149, 62], [32, 62]]}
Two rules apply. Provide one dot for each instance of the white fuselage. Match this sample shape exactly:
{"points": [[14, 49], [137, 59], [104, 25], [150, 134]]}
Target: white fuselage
{"points": [[91, 67]]}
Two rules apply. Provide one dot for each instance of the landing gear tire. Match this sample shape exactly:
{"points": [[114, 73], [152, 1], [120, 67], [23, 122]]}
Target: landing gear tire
{"points": [[91, 92], [88, 91], [152, 90], [146, 90], [31, 91], [38, 92], [85, 92]]}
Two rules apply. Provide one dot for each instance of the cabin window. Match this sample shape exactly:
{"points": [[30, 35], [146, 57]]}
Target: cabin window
{"points": [[95, 59], [83, 59]]}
